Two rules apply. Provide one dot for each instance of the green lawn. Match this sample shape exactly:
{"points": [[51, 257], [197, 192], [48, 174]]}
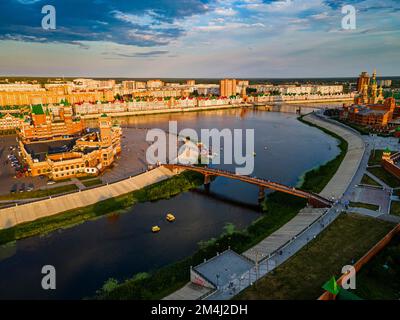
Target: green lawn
{"points": [[379, 279], [86, 178], [40, 193], [91, 183], [376, 158], [279, 208], [385, 176], [364, 205], [302, 276], [395, 208], [369, 181]]}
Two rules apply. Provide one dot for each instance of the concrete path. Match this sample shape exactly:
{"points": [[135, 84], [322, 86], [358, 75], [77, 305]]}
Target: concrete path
{"points": [[190, 291], [302, 229], [12, 216], [280, 237], [351, 162]]}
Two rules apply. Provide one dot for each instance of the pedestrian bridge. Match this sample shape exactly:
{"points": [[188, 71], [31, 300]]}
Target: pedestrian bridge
{"points": [[313, 199]]}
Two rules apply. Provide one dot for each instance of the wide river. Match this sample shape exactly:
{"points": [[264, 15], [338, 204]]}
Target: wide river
{"points": [[121, 245]]}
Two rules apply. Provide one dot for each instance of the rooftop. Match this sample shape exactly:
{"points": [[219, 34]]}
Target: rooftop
{"points": [[37, 109], [225, 267]]}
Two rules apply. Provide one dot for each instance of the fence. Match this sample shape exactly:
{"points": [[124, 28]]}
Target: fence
{"points": [[365, 259]]}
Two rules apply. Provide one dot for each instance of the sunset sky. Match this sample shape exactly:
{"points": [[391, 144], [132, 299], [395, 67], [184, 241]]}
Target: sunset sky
{"points": [[199, 38]]}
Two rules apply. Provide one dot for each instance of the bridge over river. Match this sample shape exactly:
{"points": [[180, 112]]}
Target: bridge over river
{"points": [[313, 199]]}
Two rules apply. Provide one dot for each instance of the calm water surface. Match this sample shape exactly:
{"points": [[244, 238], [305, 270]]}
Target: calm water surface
{"points": [[121, 245]]}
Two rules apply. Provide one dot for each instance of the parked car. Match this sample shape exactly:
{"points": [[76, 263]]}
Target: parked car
{"points": [[22, 188], [14, 188]]}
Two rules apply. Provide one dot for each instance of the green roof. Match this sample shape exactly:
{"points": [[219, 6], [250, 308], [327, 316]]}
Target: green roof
{"points": [[104, 115], [37, 109]]}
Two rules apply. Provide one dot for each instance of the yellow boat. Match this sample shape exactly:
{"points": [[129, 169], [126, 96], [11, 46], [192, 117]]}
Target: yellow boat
{"points": [[155, 229], [170, 217]]}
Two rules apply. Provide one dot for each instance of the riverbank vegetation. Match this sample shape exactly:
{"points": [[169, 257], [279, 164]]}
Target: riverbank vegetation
{"points": [[162, 190], [278, 209], [302, 276], [316, 179]]}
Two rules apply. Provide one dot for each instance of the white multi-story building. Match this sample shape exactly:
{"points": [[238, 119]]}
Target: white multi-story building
{"points": [[9, 87]]}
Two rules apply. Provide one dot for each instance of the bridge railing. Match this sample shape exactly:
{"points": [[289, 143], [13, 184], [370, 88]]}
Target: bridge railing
{"points": [[255, 180]]}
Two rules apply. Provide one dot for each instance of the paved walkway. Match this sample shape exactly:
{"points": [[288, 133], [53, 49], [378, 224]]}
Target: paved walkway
{"points": [[302, 229], [351, 162], [282, 236], [12, 216]]}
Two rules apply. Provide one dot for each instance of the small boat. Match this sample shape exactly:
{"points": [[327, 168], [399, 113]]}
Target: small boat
{"points": [[254, 154], [155, 229], [170, 217]]}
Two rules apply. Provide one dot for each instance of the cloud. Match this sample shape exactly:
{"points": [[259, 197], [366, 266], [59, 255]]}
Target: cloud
{"points": [[128, 22], [225, 11]]}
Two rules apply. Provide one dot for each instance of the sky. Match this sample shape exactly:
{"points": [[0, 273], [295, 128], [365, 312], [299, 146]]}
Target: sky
{"points": [[199, 38]]}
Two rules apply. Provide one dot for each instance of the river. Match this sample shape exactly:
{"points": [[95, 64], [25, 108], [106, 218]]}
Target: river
{"points": [[121, 245]]}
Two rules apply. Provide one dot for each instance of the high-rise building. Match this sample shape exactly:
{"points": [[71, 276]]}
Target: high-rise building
{"points": [[128, 85], [151, 84], [227, 87], [363, 80]]}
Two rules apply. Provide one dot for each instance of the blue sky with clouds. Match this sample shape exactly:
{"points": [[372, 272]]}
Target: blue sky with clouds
{"points": [[199, 38]]}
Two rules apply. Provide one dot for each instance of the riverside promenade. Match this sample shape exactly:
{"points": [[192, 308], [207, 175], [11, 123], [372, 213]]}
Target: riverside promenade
{"points": [[13, 216], [166, 110], [290, 238]]}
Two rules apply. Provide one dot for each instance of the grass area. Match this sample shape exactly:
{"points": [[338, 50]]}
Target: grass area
{"points": [[395, 208], [63, 180], [279, 209], [362, 130], [302, 276], [369, 181], [91, 183], [379, 279], [316, 179], [162, 190], [376, 158], [40, 193], [385, 176], [86, 178], [369, 206]]}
